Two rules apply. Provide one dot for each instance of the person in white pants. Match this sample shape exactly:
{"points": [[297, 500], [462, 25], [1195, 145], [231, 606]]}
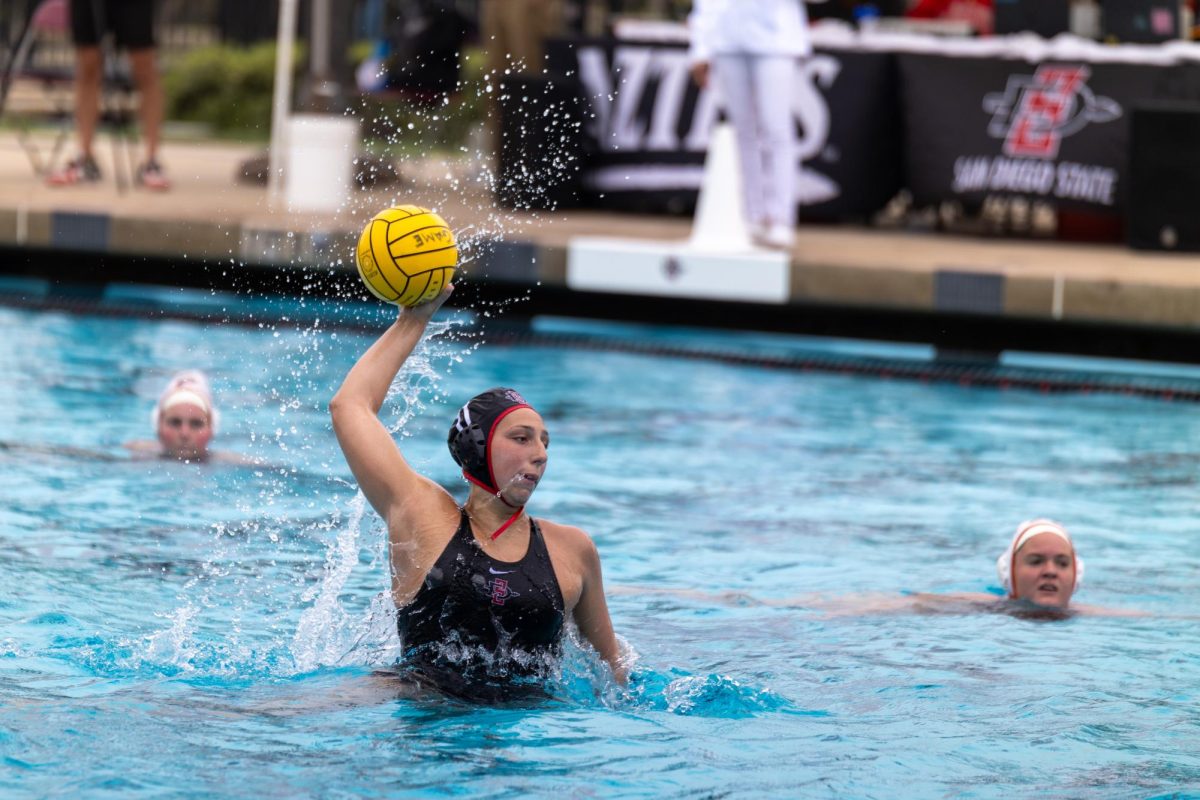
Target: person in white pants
{"points": [[751, 48]]}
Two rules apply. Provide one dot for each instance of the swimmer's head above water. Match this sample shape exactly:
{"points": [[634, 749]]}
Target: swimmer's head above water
{"points": [[488, 440], [184, 417], [1040, 565]]}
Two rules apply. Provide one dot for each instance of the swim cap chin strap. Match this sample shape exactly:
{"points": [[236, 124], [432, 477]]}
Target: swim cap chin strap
{"points": [[511, 520], [470, 441]]}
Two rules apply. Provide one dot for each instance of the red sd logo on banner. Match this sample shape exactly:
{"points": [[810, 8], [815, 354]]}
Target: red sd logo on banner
{"points": [[1035, 113]]}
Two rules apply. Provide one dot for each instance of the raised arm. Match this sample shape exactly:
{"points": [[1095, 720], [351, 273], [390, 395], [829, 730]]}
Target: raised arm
{"points": [[389, 483]]}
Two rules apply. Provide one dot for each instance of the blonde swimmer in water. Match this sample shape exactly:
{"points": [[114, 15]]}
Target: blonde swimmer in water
{"points": [[1040, 572], [185, 422], [1040, 565]]}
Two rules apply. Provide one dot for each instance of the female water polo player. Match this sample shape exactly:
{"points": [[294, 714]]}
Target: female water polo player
{"points": [[483, 591], [1040, 565], [184, 420], [1040, 572]]}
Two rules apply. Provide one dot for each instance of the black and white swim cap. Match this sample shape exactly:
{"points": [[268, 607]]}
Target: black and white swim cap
{"points": [[471, 434]]}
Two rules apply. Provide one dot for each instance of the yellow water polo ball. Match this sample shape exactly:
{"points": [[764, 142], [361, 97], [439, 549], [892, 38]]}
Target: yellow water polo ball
{"points": [[406, 255]]}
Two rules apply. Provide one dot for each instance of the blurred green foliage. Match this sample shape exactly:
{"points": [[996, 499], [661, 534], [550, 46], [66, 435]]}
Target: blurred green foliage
{"points": [[409, 123], [227, 88]]}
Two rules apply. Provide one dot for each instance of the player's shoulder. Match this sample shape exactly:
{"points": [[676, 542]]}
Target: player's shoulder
{"points": [[569, 536]]}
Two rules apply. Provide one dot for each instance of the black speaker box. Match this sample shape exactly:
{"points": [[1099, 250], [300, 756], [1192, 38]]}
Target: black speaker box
{"points": [[1164, 178], [1140, 21], [1046, 18]]}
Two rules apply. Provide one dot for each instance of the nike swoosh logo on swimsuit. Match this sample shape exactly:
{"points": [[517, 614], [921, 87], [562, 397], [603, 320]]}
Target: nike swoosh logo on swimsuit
{"points": [[501, 571]]}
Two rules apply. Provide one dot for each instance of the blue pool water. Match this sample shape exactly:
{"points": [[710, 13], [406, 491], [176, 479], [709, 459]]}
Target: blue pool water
{"points": [[205, 631]]}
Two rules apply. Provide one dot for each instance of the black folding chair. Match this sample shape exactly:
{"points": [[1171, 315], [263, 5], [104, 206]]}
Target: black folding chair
{"points": [[39, 53]]}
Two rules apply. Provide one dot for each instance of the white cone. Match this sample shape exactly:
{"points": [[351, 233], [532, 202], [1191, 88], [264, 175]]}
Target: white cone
{"points": [[720, 222]]}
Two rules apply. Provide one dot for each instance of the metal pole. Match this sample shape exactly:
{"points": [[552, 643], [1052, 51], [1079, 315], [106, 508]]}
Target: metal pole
{"points": [[15, 56], [324, 88], [319, 40], [281, 100]]}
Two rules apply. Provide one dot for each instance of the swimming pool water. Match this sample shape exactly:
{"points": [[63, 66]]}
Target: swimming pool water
{"points": [[170, 629]]}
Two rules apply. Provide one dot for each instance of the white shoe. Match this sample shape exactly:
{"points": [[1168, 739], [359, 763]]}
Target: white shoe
{"points": [[776, 237]]}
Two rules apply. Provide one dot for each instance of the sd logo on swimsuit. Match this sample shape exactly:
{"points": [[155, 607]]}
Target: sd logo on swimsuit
{"points": [[497, 589]]}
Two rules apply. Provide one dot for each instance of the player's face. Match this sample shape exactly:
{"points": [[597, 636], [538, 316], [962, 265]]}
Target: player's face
{"points": [[518, 454], [184, 431], [1044, 571]]}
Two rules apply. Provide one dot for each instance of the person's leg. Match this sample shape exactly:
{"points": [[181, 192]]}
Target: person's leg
{"points": [[82, 168], [89, 66], [513, 33], [491, 34], [733, 78], [132, 23], [518, 25], [527, 25], [150, 94], [774, 80]]}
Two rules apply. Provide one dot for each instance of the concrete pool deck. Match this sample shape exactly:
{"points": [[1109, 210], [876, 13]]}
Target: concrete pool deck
{"points": [[210, 216]]}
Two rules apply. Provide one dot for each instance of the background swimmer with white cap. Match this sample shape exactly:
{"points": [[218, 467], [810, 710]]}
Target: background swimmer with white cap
{"points": [[1040, 572], [185, 422], [1040, 565]]}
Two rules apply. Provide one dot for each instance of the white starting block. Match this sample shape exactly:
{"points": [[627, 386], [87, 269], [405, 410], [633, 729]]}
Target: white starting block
{"points": [[718, 262], [675, 269]]}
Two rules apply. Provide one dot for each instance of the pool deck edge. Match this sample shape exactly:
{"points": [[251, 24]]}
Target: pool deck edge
{"points": [[210, 218]]}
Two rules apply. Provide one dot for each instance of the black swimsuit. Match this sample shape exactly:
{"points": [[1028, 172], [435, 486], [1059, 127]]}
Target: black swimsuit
{"points": [[476, 620]]}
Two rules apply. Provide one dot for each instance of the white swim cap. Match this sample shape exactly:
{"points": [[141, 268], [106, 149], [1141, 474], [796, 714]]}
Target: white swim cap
{"points": [[181, 396], [189, 386], [1026, 531]]}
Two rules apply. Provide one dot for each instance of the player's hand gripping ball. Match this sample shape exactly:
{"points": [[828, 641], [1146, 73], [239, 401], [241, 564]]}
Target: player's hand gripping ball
{"points": [[406, 255]]}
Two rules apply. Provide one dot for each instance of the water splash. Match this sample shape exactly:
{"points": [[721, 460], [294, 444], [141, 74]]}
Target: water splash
{"points": [[584, 679], [174, 644], [329, 634], [319, 639], [713, 695]]}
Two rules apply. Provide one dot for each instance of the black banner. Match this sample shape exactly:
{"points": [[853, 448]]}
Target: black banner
{"points": [[646, 126], [1056, 131], [949, 127], [541, 145]]}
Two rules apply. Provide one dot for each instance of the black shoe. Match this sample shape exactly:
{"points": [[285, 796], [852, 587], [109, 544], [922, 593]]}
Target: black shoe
{"points": [[151, 176], [79, 170]]}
